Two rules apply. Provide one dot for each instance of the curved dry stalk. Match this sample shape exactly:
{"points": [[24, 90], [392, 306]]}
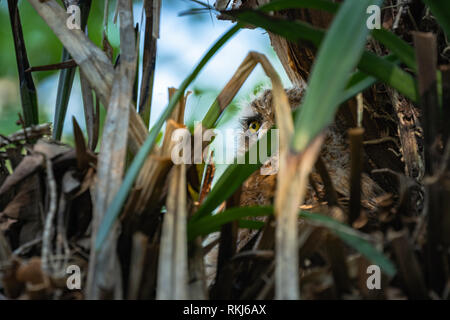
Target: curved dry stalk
{"points": [[292, 178]]}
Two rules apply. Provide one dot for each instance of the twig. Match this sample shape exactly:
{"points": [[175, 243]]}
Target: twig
{"points": [[8, 141], [356, 156], [254, 254], [5, 250], [55, 66], [27, 245], [360, 109], [61, 239], [382, 140], [47, 235], [33, 132], [402, 4]]}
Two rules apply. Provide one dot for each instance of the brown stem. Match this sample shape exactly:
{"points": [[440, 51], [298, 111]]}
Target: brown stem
{"points": [[356, 157]]}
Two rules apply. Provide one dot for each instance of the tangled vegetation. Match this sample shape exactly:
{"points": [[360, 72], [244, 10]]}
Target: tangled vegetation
{"points": [[116, 206]]}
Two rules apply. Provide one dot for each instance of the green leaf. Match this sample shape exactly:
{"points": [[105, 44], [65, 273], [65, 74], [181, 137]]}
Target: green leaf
{"points": [[370, 64], [441, 10], [291, 30], [66, 78], [65, 83], [234, 175], [360, 81], [297, 4], [389, 73], [338, 55], [119, 200], [28, 93], [355, 239], [212, 223], [250, 224], [400, 48], [212, 115]]}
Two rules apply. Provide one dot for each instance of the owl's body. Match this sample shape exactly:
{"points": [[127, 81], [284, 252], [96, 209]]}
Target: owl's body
{"points": [[259, 190]]}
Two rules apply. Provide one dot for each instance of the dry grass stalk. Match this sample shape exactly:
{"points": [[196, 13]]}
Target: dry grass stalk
{"points": [[410, 271], [173, 268], [138, 255], [5, 250], [46, 254], [291, 188], [197, 278], [292, 178], [356, 155], [287, 198], [287, 260], [159, 163], [111, 164], [93, 62], [91, 113], [152, 10]]}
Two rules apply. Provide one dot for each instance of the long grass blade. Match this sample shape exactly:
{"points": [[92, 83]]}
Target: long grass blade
{"points": [[152, 11], [28, 93], [340, 52], [360, 81], [66, 78], [63, 95], [208, 224], [400, 48], [355, 239], [91, 112]]}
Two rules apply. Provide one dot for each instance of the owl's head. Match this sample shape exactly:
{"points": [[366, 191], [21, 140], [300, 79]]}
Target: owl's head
{"points": [[258, 116]]}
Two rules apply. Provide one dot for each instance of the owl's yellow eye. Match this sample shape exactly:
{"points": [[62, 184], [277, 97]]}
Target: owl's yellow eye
{"points": [[254, 126]]}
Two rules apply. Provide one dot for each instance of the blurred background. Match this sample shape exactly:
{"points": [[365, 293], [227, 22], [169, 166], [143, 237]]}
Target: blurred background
{"points": [[184, 39]]}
